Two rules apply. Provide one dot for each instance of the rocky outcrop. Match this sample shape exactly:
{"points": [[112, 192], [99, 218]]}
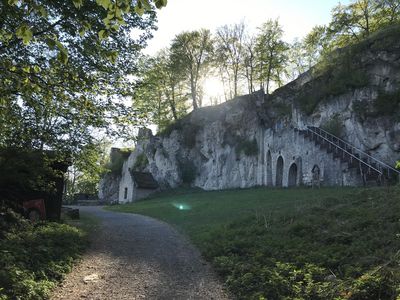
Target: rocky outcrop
{"points": [[251, 140], [109, 188]]}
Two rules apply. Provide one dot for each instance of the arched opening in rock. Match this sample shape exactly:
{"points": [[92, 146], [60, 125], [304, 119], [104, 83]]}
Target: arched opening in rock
{"points": [[316, 176], [292, 179], [269, 168], [279, 172]]}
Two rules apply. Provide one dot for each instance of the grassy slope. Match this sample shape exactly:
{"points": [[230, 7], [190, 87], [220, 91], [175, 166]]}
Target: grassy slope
{"points": [[203, 210], [285, 244]]}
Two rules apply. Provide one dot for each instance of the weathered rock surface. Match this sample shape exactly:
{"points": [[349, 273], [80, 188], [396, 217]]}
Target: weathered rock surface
{"points": [[251, 140]]}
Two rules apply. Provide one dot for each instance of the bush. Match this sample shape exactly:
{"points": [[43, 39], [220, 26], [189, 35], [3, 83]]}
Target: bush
{"points": [[188, 131], [165, 132], [117, 159], [35, 257]]}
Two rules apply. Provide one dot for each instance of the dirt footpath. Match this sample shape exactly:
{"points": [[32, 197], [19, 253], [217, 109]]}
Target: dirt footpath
{"points": [[137, 257]]}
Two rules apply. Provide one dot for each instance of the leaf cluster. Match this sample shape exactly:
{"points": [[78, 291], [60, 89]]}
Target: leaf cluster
{"points": [[63, 66], [35, 257]]}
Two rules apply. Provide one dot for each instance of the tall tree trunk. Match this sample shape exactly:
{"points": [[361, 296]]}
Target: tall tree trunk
{"points": [[235, 82], [268, 79], [172, 103], [194, 93]]}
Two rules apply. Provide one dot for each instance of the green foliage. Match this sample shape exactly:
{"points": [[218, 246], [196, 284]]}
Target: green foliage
{"points": [[334, 125], [35, 257], [337, 77], [63, 64], [336, 50], [141, 162], [171, 127], [88, 167], [117, 159], [192, 51], [293, 244], [387, 103], [249, 148], [186, 129], [229, 54], [29, 173], [271, 56], [161, 94]]}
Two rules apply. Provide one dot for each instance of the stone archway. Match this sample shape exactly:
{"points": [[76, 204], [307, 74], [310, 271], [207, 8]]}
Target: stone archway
{"points": [[316, 176], [279, 172], [292, 178], [269, 169]]}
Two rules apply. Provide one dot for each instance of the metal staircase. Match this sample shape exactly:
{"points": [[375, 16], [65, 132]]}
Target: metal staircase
{"points": [[370, 168]]}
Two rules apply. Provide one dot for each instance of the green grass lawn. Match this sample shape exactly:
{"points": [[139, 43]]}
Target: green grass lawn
{"points": [[330, 243]]}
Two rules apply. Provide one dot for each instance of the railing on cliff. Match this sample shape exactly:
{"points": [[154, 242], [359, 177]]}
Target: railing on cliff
{"points": [[368, 165]]}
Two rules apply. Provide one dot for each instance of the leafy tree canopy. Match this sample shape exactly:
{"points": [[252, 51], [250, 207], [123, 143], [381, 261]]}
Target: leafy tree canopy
{"points": [[64, 67]]}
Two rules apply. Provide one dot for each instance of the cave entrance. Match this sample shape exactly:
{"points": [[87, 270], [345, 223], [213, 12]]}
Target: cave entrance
{"points": [[316, 176], [292, 181], [279, 172]]}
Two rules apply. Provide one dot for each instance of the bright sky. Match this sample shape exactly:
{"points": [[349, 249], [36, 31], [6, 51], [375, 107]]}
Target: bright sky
{"points": [[296, 16]]}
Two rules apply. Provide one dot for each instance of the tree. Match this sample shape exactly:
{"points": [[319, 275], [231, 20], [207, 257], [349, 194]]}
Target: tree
{"points": [[193, 50], [271, 54], [88, 167], [63, 66], [351, 23], [298, 62], [250, 62], [161, 95], [230, 52], [316, 43], [388, 12]]}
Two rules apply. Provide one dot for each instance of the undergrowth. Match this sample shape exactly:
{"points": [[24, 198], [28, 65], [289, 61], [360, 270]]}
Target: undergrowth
{"points": [[34, 258], [336, 249], [141, 162]]}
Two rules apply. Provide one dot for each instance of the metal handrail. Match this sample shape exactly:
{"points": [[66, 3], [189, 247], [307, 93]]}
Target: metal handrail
{"points": [[313, 129], [347, 152]]}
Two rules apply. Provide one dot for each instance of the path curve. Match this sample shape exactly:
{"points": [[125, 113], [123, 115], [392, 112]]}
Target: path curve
{"points": [[137, 257]]}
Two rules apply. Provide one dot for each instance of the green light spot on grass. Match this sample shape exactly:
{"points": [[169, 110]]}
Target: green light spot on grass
{"points": [[181, 206]]}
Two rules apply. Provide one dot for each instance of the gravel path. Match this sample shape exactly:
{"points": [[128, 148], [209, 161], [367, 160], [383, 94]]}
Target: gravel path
{"points": [[137, 257]]}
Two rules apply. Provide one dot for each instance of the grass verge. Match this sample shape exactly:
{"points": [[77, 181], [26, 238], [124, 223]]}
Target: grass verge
{"points": [[292, 244], [35, 257]]}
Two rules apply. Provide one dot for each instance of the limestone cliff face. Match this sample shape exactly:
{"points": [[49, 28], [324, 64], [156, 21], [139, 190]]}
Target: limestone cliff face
{"points": [[109, 188], [251, 140]]}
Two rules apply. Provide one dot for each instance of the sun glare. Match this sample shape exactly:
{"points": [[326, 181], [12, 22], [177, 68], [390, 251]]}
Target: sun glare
{"points": [[213, 91]]}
